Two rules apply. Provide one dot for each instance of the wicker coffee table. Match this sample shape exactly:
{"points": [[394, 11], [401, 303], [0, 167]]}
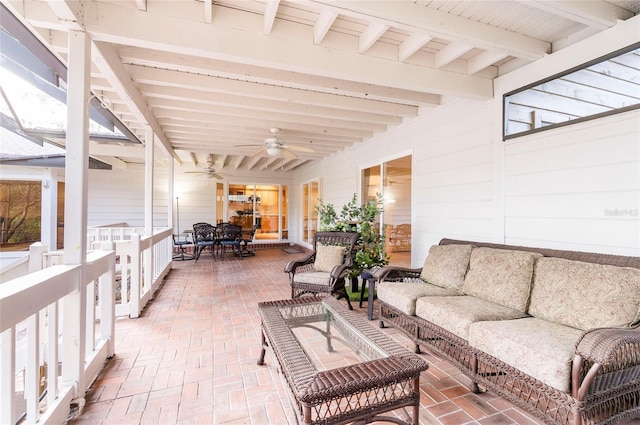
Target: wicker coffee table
{"points": [[338, 368]]}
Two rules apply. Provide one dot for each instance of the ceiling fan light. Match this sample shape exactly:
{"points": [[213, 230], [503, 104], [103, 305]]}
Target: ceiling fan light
{"points": [[273, 151]]}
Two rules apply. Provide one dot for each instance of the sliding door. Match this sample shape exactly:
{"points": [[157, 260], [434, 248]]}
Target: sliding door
{"points": [[392, 179]]}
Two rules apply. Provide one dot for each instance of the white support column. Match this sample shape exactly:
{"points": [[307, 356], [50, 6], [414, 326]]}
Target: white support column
{"points": [[170, 195], [148, 181], [171, 191], [75, 214], [148, 207], [49, 209]]}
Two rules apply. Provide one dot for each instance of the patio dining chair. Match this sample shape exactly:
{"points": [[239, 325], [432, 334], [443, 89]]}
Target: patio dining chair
{"points": [[204, 236], [230, 238], [324, 270], [181, 242]]}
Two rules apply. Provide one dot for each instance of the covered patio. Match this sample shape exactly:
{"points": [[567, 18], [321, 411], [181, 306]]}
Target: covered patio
{"points": [[190, 358]]}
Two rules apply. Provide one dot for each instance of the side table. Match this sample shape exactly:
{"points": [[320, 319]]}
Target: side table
{"points": [[368, 276]]}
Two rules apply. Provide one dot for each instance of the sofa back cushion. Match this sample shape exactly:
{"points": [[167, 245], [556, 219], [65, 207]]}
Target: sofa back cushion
{"points": [[501, 276], [327, 257], [585, 295], [446, 265]]}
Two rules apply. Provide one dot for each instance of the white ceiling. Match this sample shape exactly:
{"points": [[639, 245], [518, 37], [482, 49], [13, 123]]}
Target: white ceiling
{"points": [[209, 76]]}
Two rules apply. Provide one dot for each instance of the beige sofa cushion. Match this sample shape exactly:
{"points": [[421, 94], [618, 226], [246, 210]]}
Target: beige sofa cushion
{"points": [[403, 295], [327, 257], [446, 265], [501, 276], [541, 349], [456, 314], [585, 295]]}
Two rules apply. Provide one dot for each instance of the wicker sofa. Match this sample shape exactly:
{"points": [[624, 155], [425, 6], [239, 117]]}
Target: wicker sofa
{"points": [[556, 332]]}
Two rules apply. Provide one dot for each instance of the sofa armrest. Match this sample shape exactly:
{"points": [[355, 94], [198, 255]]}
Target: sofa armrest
{"points": [[398, 274], [606, 358]]}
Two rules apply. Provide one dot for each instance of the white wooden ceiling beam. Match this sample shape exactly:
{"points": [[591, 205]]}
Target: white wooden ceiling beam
{"points": [[270, 12], [596, 14], [225, 41], [323, 25], [244, 113], [412, 44], [293, 164], [271, 160], [223, 100], [70, 14], [106, 58], [203, 83], [141, 4], [238, 162], [212, 118], [208, 11], [483, 60], [373, 32], [194, 159], [263, 75], [252, 162], [243, 135], [116, 150], [412, 16], [451, 52]]}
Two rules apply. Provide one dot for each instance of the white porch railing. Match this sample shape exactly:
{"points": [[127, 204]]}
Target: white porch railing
{"points": [[69, 311]]}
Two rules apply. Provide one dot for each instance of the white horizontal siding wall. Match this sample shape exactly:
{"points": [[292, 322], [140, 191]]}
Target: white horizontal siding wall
{"points": [[576, 187], [117, 196], [452, 173]]}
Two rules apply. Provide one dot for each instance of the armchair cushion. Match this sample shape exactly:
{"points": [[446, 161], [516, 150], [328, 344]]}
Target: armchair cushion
{"points": [[327, 257], [314, 278], [446, 265]]}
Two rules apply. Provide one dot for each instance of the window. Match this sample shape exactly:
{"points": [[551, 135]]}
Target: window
{"points": [[606, 86]]}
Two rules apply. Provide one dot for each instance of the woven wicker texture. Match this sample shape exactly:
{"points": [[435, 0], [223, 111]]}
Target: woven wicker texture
{"points": [[344, 394], [605, 376]]}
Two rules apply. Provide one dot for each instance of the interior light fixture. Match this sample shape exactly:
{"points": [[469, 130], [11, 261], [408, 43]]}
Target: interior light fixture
{"points": [[274, 151]]}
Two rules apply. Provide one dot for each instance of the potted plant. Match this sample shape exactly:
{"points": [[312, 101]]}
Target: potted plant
{"points": [[361, 218]]}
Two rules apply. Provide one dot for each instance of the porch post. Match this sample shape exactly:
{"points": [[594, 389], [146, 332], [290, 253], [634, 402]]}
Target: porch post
{"points": [[148, 208], [148, 181], [170, 196], [75, 214], [49, 209]]}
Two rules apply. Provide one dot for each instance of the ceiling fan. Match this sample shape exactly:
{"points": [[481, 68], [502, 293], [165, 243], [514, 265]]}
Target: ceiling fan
{"points": [[275, 146], [209, 172]]}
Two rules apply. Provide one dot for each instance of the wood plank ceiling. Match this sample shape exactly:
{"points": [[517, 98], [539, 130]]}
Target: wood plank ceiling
{"points": [[211, 77]]}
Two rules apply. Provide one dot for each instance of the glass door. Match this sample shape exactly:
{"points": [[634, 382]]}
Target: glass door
{"points": [[310, 193], [392, 179]]}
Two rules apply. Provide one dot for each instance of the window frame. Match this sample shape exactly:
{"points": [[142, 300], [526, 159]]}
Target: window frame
{"points": [[619, 52]]}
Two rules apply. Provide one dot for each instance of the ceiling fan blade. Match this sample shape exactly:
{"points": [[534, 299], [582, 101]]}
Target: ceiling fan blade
{"points": [[288, 154], [194, 172], [260, 152], [253, 145], [298, 148], [217, 176]]}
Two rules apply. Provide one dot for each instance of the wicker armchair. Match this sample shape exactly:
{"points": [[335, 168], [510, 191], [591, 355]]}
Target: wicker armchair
{"points": [[316, 274]]}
